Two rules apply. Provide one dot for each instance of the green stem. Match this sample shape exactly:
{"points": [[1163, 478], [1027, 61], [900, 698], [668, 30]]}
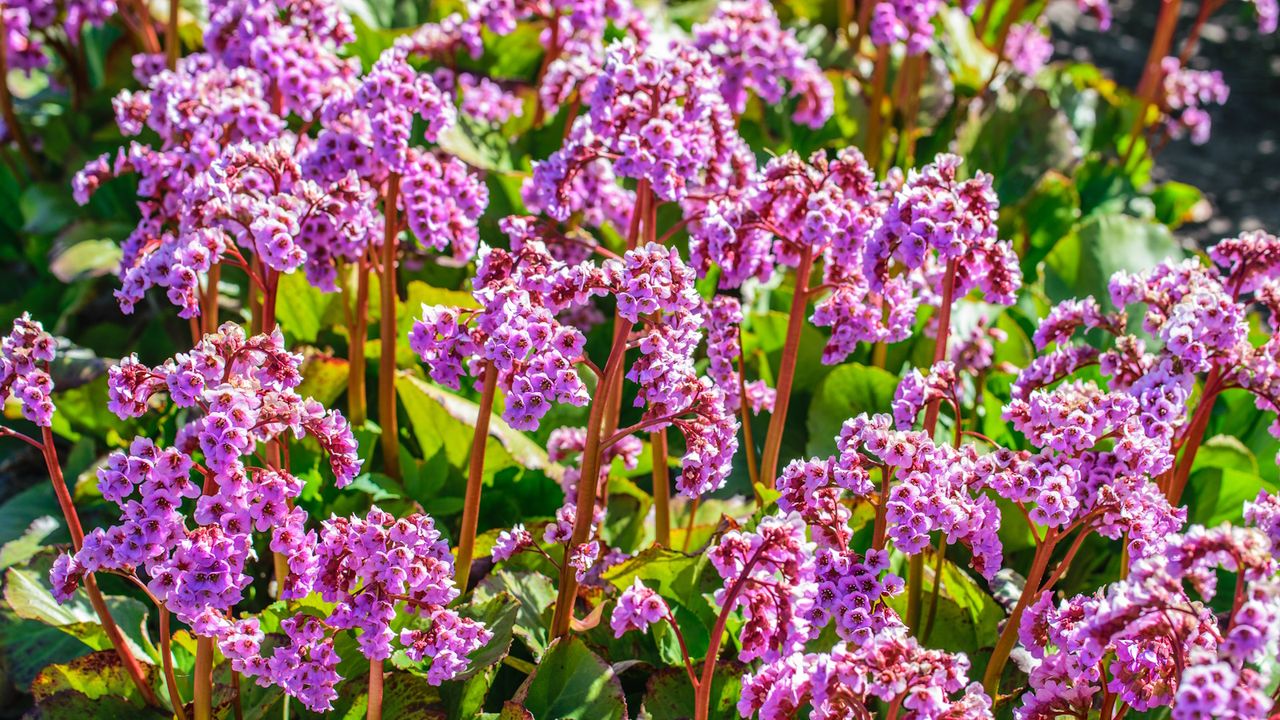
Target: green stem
{"points": [[661, 488]]}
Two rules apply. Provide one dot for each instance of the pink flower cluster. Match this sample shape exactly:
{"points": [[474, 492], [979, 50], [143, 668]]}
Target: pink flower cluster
{"points": [[370, 567], [658, 119], [846, 681], [1187, 93], [755, 54], [227, 175], [906, 21], [724, 352], [25, 354], [520, 293], [30, 23], [1166, 648]]}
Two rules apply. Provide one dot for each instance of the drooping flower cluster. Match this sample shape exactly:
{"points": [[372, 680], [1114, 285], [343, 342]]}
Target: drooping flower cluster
{"points": [[238, 393], [769, 573], [227, 175], [724, 353], [1264, 514], [906, 21], [1165, 648], [885, 246], [846, 682], [638, 607], [658, 118], [938, 219], [521, 293], [1195, 317], [755, 54], [1187, 95], [294, 44], [30, 25], [1028, 47], [24, 357], [370, 567]]}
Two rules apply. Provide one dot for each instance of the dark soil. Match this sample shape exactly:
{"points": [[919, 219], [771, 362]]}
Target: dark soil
{"points": [[1235, 168]]}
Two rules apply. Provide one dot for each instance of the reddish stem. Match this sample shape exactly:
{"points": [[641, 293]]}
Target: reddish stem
{"points": [[209, 308], [702, 691], [1194, 436], [1166, 23], [375, 690], [166, 658], [1009, 634], [787, 370], [387, 365], [171, 45], [475, 479], [202, 680], [875, 119], [109, 627], [588, 482]]}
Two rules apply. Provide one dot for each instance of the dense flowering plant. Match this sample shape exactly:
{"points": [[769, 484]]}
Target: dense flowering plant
{"points": [[744, 360]]}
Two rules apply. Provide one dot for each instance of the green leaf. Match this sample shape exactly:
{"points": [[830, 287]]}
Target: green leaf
{"points": [[536, 595], [572, 682], [324, 377], [442, 420], [626, 522], [1083, 263], [1017, 140], [371, 40], [96, 675], [1175, 202], [301, 307], [967, 617], [19, 512], [16, 552], [1043, 218], [86, 259], [29, 596], [849, 390], [46, 208], [1215, 495], [1225, 452], [684, 581], [669, 694], [969, 61], [85, 410]]}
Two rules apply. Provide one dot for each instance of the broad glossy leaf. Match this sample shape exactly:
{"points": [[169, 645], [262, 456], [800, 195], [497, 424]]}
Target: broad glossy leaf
{"points": [[1083, 263], [302, 308], [669, 694], [95, 675], [536, 595], [28, 594], [573, 682], [850, 389], [22, 549], [85, 259]]}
